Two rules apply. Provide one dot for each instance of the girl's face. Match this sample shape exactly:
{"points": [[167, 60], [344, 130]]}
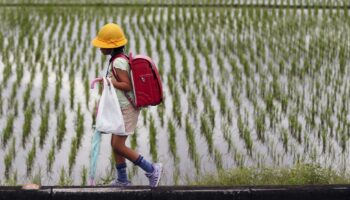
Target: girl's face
{"points": [[106, 51]]}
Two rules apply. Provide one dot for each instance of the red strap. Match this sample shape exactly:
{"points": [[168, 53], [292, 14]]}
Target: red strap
{"points": [[117, 78]]}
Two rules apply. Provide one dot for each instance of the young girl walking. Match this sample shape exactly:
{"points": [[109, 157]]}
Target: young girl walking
{"points": [[111, 41]]}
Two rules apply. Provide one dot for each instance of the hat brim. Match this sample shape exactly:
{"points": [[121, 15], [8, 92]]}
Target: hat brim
{"points": [[100, 44]]}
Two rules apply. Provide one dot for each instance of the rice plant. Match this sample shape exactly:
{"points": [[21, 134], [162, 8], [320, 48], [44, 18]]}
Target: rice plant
{"points": [[65, 179], [45, 82], [172, 140], [192, 145], [72, 154], [44, 125], [26, 96], [51, 156], [27, 126], [79, 126], [37, 178], [31, 158], [8, 130], [8, 159], [153, 139], [61, 127], [207, 131], [83, 176], [71, 91]]}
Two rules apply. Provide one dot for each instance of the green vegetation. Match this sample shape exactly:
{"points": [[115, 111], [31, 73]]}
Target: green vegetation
{"points": [[61, 127], [44, 126], [27, 126], [310, 174], [153, 139], [31, 158], [8, 131], [65, 178]]}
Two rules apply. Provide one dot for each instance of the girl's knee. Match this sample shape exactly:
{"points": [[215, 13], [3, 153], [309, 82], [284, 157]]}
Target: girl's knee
{"points": [[118, 148]]}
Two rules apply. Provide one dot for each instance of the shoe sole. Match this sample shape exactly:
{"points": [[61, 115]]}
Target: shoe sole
{"points": [[161, 172]]}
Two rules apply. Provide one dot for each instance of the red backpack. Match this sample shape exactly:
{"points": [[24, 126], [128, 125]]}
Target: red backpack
{"points": [[145, 80]]}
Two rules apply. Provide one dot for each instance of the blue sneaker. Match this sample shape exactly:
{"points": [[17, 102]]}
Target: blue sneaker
{"points": [[117, 183], [154, 177]]}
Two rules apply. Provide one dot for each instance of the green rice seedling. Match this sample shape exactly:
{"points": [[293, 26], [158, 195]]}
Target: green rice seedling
{"points": [[6, 73], [27, 126], [185, 68], [161, 113], [44, 125], [227, 133], [8, 159], [61, 127], [171, 83], [176, 103], [80, 126], [31, 158], [222, 100], [32, 75], [248, 140], [45, 82], [133, 141], [26, 95], [144, 116], [65, 179], [57, 92], [72, 154], [284, 103], [87, 92], [295, 127], [12, 181], [51, 156], [284, 133], [184, 82], [19, 73], [218, 159], [160, 64], [8, 130], [207, 131], [239, 159], [190, 136], [1, 104], [172, 140], [192, 99], [83, 176], [260, 125], [37, 178], [148, 47], [153, 139], [71, 91]]}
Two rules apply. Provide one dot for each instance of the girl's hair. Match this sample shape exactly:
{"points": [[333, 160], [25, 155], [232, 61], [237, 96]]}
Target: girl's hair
{"points": [[118, 50]]}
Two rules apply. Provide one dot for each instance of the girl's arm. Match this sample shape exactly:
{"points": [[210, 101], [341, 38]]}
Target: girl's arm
{"points": [[124, 81]]}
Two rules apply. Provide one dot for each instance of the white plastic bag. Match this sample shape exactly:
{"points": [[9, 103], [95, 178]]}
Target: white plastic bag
{"points": [[109, 117]]}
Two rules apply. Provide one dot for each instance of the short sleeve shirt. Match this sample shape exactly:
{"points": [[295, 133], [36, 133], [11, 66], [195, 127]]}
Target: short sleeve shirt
{"points": [[121, 63]]}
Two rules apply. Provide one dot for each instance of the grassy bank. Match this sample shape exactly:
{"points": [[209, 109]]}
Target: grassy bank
{"points": [[301, 174]]}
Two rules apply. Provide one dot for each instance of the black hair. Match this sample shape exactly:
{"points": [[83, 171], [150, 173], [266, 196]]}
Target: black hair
{"points": [[116, 51]]}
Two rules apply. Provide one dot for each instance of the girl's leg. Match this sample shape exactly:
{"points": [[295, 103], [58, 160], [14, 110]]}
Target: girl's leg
{"points": [[119, 148], [121, 176], [153, 171]]}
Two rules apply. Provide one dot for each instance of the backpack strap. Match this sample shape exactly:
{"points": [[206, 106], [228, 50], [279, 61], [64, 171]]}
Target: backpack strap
{"points": [[117, 78]]}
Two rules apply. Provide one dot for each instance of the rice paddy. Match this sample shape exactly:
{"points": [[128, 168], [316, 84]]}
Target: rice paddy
{"points": [[246, 83]]}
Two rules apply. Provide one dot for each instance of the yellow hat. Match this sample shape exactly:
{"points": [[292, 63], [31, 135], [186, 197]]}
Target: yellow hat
{"points": [[110, 36]]}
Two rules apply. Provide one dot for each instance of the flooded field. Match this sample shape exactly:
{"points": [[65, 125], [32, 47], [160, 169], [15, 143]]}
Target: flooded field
{"points": [[244, 87]]}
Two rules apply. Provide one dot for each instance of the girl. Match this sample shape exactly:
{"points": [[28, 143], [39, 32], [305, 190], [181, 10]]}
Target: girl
{"points": [[111, 41]]}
